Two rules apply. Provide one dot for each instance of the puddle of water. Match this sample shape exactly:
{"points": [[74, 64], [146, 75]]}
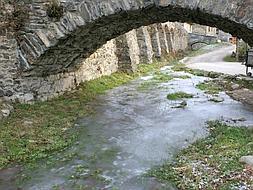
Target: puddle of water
{"points": [[131, 132]]}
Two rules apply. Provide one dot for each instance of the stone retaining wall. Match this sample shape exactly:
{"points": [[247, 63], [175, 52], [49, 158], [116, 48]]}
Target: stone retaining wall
{"points": [[123, 53]]}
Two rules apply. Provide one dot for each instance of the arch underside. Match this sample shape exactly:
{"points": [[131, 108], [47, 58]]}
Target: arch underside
{"points": [[67, 54]]}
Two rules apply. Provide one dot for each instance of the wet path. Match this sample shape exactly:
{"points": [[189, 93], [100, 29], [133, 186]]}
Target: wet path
{"points": [[213, 61], [133, 130]]}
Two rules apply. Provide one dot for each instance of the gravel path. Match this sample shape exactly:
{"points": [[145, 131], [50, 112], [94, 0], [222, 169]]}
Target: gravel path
{"points": [[213, 61]]}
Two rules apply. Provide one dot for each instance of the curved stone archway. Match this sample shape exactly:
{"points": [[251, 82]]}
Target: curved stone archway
{"points": [[52, 47]]}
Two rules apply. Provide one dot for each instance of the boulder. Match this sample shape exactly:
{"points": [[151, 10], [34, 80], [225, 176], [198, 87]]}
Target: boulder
{"points": [[235, 86], [216, 99], [247, 160], [5, 112]]}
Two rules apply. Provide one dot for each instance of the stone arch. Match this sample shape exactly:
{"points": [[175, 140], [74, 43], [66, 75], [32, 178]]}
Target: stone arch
{"points": [[54, 47]]}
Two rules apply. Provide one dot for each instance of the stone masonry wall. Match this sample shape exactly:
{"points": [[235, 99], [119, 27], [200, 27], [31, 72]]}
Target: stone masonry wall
{"points": [[123, 53], [103, 62], [8, 66]]}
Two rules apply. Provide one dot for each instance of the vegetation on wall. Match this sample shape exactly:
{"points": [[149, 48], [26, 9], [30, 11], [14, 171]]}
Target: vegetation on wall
{"points": [[55, 10], [242, 49], [13, 14]]}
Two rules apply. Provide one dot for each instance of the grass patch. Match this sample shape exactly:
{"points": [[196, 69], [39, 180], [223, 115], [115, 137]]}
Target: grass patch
{"points": [[35, 131], [212, 162], [244, 83], [229, 58], [182, 67], [178, 95], [162, 77], [159, 77], [210, 87], [147, 85], [183, 77]]}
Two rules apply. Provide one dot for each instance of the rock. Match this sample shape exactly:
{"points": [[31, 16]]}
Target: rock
{"points": [[247, 160], [183, 104], [235, 86], [242, 119], [250, 144], [250, 127], [9, 174], [1, 93], [6, 112], [214, 75], [5, 108], [8, 93], [216, 99], [28, 97], [28, 123]]}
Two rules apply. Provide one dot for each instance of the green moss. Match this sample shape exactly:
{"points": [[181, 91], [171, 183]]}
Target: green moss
{"points": [[210, 87], [147, 85], [179, 95], [229, 58], [212, 162], [182, 67], [183, 77], [162, 77], [35, 131], [243, 83], [159, 77], [214, 87]]}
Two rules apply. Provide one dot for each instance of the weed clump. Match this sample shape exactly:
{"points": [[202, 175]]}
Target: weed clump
{"points": [[179, 95], [55, 10]]}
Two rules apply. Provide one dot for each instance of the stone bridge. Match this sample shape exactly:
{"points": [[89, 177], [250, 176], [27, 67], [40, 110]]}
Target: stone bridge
{"points": [[48, 46], [196, 41]]}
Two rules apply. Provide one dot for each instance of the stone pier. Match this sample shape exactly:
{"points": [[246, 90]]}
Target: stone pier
{"points": [[155, 40], [145, 45], [163, 39]]}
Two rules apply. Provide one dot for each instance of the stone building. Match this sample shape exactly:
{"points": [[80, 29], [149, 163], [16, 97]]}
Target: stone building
{"points": [[201, 30], [205, 33]]}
